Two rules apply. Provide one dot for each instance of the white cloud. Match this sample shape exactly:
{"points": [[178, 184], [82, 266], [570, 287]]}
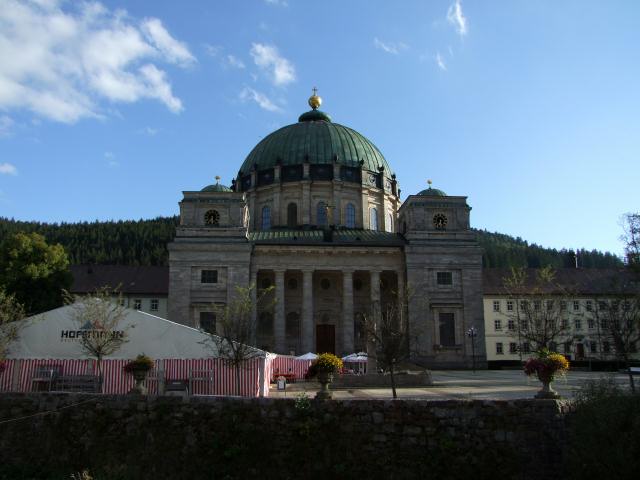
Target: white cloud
{"points": [[152, 132], [212, 50], [174, 50], [440, 62], [456, 17], [261, 99], [393, 48], [267, 57], [235, 62], [71, 60], [109, 155], [8, 169], [6, 123], [277, 3]]}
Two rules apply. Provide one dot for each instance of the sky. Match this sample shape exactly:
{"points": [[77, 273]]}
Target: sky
{"points": [[529, 108]]}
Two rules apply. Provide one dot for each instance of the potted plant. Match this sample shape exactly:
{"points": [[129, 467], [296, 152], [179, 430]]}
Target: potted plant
{"points": [[546, 365], [324, 367], [139, 368]]}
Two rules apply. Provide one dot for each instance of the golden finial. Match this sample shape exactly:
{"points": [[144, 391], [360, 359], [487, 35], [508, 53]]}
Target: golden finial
{"points": [[217, 178], [314, 100]]}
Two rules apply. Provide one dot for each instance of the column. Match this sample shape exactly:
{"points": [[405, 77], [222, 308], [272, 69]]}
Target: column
{"points": [[307, 311], [279, 323], [347, 312], [254, 305], [376, 309]]}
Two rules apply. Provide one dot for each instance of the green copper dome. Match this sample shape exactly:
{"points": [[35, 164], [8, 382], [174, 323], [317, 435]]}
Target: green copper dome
{"points": [[317, 140], [216, 188], [432, 192]]}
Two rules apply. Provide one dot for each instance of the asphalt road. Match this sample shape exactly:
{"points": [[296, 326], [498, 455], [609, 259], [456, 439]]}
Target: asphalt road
{"points": [[466, 385]]}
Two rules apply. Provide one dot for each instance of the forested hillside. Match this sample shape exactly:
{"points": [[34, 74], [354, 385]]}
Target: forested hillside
{"points": [[128, 242], [144, 242]]}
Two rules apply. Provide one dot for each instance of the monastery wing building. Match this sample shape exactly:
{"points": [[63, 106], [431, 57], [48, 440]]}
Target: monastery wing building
{"points": [[315, 212]]}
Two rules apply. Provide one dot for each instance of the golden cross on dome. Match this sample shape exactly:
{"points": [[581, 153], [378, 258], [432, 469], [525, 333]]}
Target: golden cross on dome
{"points": [[315, 90], [217, 178]]}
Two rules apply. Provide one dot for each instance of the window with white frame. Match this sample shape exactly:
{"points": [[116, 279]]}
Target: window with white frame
{"points": [[576, 305], [509, 305], [499, 348], [537, 305], [513, 347], [567, 347], [526, 347], [266, 218], [321, 214], [563, 305], [350, 215], [154, 304], [137, 304], [588, 305], [591, 323], [511, 325], [496, 305], [373, 218], [593, 346], [497, 325]]}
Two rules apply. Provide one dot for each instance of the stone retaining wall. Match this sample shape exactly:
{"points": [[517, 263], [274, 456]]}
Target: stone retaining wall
{"points": [[166, 437]]}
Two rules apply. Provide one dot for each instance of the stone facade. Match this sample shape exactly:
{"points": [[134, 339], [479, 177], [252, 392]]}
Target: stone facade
{"points": [[331, 235]]}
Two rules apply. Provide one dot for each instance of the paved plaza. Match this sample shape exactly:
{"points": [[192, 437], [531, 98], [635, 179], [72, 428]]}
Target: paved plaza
{"points": [[463, 385]]}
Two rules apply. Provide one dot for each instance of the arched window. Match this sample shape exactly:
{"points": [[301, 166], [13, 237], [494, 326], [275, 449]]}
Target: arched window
{"points": [[322, 214], [292, 215], [350, 215], [373, 220], [292, 329], [266, 218], [265, 324], [212, 217]]}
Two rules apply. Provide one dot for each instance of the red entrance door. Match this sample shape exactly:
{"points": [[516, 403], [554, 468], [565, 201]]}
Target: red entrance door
{"points": [[325, 339]]}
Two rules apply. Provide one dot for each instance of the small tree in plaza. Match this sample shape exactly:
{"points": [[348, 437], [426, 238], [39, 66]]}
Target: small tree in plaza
{"points": [[235, 328], [617, 319], [10, 313], [100, 316], [387, 331], [539, 308]]}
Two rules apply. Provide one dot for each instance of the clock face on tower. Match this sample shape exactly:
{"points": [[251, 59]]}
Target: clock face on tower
{"points": [[440, 221], [212, 217]]}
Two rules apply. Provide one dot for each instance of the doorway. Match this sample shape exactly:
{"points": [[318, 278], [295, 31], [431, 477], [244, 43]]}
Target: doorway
{"points": [[325, 339]]}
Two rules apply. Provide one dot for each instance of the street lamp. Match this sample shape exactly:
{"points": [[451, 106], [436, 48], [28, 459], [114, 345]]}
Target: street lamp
{"points": [[472, 333]]}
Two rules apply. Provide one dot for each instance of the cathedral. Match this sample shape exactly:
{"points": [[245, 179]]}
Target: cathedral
{"points": [[315, 213]]}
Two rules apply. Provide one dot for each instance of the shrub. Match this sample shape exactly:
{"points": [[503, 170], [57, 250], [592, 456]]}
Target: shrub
{"points": [[604, 432]]}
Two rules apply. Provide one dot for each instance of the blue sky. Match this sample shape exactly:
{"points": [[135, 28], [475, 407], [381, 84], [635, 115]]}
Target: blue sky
{"points": [[530, 108]]}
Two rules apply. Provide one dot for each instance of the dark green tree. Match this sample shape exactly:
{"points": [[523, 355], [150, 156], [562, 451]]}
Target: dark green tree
{"points": [[34, 272]]}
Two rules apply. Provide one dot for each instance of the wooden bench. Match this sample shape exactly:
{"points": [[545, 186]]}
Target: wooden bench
{"points": [[78, 383]]}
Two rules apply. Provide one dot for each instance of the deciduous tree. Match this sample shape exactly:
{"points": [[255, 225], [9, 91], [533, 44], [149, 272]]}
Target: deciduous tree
{"points": [[235, 329], [101, 318], [10, 313], [34, 271]]}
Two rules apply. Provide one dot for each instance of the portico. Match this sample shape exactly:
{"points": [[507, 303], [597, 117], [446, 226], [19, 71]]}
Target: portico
{"points": [[317, 305]]}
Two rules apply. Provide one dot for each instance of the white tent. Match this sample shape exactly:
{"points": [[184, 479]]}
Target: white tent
{"points": [[307, 356], [360, 357], [54, 335]]}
